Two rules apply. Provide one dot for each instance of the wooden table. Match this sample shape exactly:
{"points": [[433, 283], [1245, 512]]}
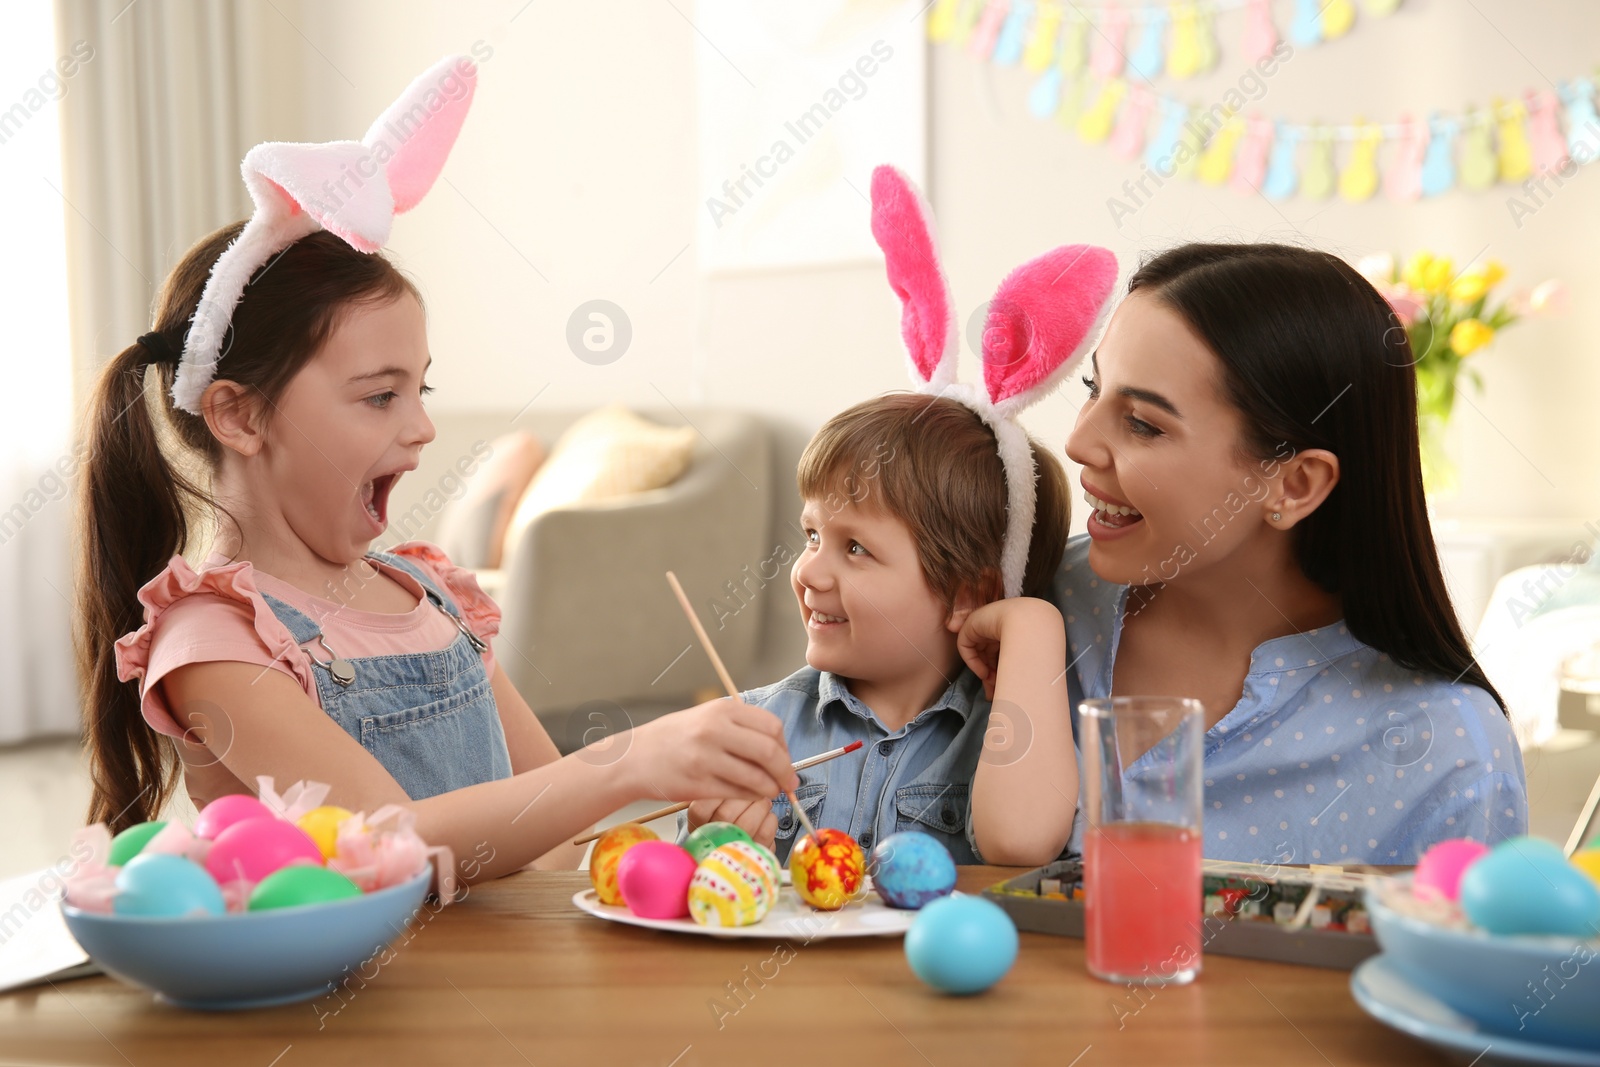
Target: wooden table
{"points": [[515, 974]]}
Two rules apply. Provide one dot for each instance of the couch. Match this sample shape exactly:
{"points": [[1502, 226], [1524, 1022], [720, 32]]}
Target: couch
{"points": [[591, 634]]}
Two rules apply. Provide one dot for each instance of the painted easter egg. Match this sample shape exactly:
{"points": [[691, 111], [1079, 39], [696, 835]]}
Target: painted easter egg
{"points": [[1440, 869], [961, 944], [733, 886], [159, 885], [1588, 861], [223, 812], [130, 842], [706, 839], [910, 869], [607, 854], [1526, 886], [252, 849], [654, 878], [322, 826], [829, 870], [298, 884]]}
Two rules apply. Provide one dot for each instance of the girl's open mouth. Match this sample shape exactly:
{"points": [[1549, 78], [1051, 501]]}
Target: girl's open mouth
{"points": [[375, 498]]}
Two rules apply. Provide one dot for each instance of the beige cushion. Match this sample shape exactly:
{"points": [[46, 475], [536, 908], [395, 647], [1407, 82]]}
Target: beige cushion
{"points": [[606, 454], [472, 530]]}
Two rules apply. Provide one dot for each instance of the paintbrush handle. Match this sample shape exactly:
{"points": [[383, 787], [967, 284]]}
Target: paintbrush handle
{"points": [[705, 639]]}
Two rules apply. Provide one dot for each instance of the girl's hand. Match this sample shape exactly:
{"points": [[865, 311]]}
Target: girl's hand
{"points": [[755, 818], [721, 748]]}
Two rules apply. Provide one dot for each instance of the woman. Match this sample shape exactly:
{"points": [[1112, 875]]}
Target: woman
{"points": [[1260, 541]]}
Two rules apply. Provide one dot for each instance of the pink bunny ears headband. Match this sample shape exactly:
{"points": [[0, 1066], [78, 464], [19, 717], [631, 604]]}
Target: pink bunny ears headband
{"points": [[1043, 318], [352, 189]]}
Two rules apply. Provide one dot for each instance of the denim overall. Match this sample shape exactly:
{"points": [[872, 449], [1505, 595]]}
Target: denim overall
{"points": [[429, 717]]}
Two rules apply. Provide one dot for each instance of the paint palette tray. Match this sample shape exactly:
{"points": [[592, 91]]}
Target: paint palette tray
{"points": [[1312, 916]]}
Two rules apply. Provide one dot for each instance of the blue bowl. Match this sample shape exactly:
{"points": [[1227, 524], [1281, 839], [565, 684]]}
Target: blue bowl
{"points": [[251, 960], [1534, 988]]}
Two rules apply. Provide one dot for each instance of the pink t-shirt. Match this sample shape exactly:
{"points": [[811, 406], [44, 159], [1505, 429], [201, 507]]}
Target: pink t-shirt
{"points": [[217, 613]]}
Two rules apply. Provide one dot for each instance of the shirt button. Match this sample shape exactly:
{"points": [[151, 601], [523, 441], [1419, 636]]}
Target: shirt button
{"points": [[884, 748], [866, 840]]}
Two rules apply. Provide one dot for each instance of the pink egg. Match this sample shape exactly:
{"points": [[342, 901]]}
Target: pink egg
{"points": [[254, 848], [1440, 869], [654, 878], [223, 812]]}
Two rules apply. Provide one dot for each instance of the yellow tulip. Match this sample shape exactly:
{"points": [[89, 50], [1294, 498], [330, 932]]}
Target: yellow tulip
{"points": [[1468, 287], [1438, 275], [1493, 272], [1428, 272], [1469, 335], [1416, 269]]}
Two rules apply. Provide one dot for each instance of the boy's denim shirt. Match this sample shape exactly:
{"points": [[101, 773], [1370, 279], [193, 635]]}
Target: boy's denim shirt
{"points": [[916, 778]]}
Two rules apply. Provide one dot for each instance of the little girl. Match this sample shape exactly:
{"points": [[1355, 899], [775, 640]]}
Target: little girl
{"points": [[288, 362]]}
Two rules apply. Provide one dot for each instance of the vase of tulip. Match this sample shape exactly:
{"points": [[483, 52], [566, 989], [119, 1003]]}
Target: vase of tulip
{"points": [[1448, 316]]}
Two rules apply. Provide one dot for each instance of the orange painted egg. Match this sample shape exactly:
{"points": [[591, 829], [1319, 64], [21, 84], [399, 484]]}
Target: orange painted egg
{"points": [[607, 854], [828, 871]]}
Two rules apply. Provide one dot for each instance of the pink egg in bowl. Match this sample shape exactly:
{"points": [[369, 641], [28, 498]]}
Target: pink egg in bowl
{"points": [[252, 849]]}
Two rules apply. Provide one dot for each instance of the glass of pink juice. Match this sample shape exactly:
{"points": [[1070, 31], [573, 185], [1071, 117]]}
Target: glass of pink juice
{"points": [[1143, 792]]}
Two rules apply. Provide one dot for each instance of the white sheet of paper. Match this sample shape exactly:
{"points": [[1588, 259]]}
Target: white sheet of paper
{"points": [[34, 941]]}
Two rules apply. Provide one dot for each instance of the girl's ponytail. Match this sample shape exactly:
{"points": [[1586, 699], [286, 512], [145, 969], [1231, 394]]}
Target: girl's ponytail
{"points": [[135, 508], [143, 493]]}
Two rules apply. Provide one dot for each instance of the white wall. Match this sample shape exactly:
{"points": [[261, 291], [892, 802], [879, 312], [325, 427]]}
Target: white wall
{"points": [[576, 178], [580, 160]]}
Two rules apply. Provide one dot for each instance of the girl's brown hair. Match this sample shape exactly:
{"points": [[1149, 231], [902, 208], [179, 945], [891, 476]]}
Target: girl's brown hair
{"points": [[140, 506], [932, 463]]}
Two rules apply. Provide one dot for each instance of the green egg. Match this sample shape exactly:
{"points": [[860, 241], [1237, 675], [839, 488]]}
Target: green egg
{"points": [[131, 841], [301, 883], [712, 836]]}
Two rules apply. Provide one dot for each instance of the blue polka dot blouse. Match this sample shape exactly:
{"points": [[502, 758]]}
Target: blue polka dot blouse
{"points": [[1334, 753]]}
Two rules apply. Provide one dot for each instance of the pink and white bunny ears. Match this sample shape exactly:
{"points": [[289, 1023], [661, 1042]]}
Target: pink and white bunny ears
{"points": [[352, 189], [1043, 318]]}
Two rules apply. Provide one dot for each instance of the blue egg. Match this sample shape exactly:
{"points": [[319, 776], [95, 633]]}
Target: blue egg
{"points": [[961, 944], [911, 868], [1526, 886], [162, 886]]}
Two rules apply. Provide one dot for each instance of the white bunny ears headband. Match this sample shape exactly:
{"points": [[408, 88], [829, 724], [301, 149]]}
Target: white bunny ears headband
{"points": [[1043, 318], [352, 189]]}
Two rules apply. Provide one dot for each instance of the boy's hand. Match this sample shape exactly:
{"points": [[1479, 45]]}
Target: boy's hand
{"points": [[721, 748], [755, 818]]}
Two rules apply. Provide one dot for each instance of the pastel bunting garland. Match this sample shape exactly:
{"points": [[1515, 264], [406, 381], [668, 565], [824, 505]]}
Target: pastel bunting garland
{"points": [[1175, 39], [1095, 65]]}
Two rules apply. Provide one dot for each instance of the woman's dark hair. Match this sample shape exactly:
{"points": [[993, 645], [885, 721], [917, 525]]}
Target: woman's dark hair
{"points": [[143, 490], [1313, 357]]}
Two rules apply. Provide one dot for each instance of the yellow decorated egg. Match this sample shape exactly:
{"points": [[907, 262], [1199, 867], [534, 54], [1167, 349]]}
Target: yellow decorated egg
{"points": [[828, 870], [322, 826], [1588, 861], [735, 885], [607, 854]]}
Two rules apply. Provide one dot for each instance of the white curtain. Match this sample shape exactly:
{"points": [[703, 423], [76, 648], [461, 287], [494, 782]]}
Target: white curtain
{"points": [[36, 682], [122, 150]]}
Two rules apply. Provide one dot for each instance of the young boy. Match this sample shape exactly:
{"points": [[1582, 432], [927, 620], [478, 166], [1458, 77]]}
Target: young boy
{"points": [[958, 696]]}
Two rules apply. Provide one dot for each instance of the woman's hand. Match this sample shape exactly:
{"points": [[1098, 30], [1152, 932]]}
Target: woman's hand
{"points": [[721, 748], [755, 818]]}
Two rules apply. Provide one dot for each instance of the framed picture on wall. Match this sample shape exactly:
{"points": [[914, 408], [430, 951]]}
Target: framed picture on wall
{"points": [[797, 104]]}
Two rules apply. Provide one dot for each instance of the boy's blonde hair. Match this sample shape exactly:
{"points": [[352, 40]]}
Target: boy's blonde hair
{"points": [[932, 463]]}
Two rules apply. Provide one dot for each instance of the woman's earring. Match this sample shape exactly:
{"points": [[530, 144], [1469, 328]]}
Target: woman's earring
{"points": [[1277, 516]]}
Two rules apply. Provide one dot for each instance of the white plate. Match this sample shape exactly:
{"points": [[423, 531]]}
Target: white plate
{"points": [[790, 917]]}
